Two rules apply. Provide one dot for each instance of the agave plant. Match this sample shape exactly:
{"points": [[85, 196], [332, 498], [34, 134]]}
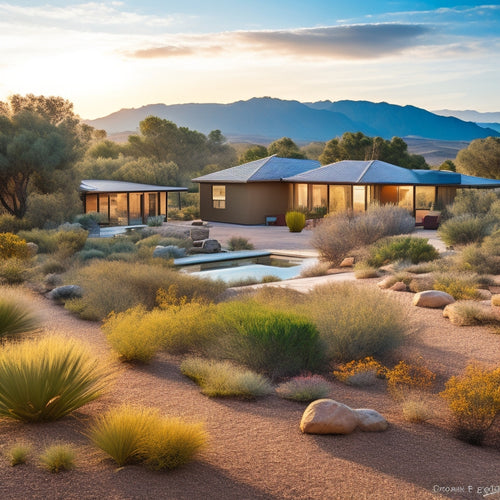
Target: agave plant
{"points": [[15, 319]]}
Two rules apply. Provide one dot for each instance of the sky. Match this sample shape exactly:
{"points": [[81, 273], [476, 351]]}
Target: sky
{"points": [[107, 55]]}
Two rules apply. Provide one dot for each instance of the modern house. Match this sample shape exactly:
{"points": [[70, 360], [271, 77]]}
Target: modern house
{"points": [[126, 203], [249, 193]]}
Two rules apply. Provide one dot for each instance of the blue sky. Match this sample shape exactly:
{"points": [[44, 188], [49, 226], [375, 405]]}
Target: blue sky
{"points": [[108, 55]]}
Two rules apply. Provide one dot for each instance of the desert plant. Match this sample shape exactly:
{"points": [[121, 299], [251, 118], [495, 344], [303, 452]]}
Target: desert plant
{"points": [[469, 312], [236, 243], [355, 322], [155, 220], [15, 319], [70, 239], [296, 221], [406, 377], [477, 259], [495, 300], [416, 409], [14, 270], [465, 229], [318, 269], [11, 245], [472, 202], [363, 270], [47, 378], [58, 457], [474, 401], [460, 286], [11, 224], [304, 388], [18, 453], [396, 248], [224, 379], [44, 239], [360, 373]]}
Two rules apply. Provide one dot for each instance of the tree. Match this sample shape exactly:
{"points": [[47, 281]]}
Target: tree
{"points": [[253, 153], [285, 148], [39, 137], [448, 165], [480, 158]]}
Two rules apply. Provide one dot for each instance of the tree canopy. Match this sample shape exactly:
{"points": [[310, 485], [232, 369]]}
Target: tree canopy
{"points": [[357, 146], [480, 158], [285, 148]]}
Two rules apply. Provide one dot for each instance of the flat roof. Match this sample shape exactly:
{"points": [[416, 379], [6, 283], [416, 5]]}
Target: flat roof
{"points": [[105, 186]]}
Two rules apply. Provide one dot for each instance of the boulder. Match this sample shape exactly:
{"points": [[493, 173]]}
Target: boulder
{"points": [[370, 420], [432, 299], [199, 233], [326, 416], [347, 262], [399, 286], [66, 292], [206, 246], [169, 252]]}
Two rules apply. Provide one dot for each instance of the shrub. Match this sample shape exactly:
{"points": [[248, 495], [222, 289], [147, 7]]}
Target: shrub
{"points": [[11, 224], [476, 259], [13, 271], [495, 300], [465, 229], [236, 243], [109, 246], [89, 220], [224, 379], [397, 248], [85, 255], [70, 240], [405, 377], [58, 457], [11, 245], [274, 342], [18, 454], [296, 221], [133, 334], [460, 286], [342, 232], [474, 401], [363, 270], [360, 373], [15, 319], [156, 220], [44, 239], [52, 265], [468, 312], [52, 209], [319, 269], [304, 388], [47, 378], [416, 409], [472, 202], [355, 322]]}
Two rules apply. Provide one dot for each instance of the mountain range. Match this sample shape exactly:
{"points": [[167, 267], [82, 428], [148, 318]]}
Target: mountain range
{"points": [[268, 119]]}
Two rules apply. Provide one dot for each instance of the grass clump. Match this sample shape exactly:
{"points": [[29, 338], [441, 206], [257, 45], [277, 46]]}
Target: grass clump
{"points": [[474, 401], [401, 248], [461, 286], [14, 271], [478, 259], [469, 312], [416, 409], [47, 378], [360, 373], [304, 388], [18, 454], [355, 322], [363, 270], [15, 318], [224, 379], [236, 243], [58, 457], [296, 221]]}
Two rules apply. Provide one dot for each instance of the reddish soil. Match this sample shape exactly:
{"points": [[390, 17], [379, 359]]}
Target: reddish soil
{"points": [[256, 449]]}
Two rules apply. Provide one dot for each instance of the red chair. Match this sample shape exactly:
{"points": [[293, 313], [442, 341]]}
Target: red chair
{"points": [[431, 221]]}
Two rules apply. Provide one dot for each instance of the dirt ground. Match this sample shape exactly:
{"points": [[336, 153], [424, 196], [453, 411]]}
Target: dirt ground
{"points": [[256, 449]]}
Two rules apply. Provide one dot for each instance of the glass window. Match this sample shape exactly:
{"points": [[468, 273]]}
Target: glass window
{"points": [[359, 198], [340, 198], [104, 206], [118, 209], [319, 196], [424, 197], [405, 197], [219, 196], [135, 207], [151, 204], [300, 196]]}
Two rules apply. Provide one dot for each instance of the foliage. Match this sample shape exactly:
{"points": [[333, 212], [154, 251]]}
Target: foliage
{"points": [[363, 270], [89, 220], [18, 454], [44, 239], [478, 259], [355, 322], [406, 377], [58, 457], [481, 157], [70, 239], [11, 224], [397, 248], [465, 229], [224, 379], [342, 232], [472, 202], [416, 409], [156, 221], [474, 401], [361, 372], [49, 210], [460, 286], [47, 378], [304, 388], [296, 221], [469, 312], [11, 245], [285, 148], [13, 271], [318, 269], [236, 243], [253, 153], [15, 319]]}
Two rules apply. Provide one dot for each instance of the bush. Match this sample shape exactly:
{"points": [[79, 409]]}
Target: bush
{"points": [[342, 232], [360, 373], [47, 378], [416, 410], [405, 378], [474, 401], [465, 229], [363, 270], [477, 259], [468, 312], [89, 220], [319, 269], [14, 271], [355, 322], [11, 224], [270, 341], [44, 239], [12, 246], [223, 379], [85, 255], [70, 240], [156, 220], [18, 454], [472, 202], [58, 457], [236, 243], [15, 319], [460, 286], [304, 388], [296, 221], [405, 248]]}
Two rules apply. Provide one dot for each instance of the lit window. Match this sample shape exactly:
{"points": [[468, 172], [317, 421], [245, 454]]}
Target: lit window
{"points": [[219, 196]]}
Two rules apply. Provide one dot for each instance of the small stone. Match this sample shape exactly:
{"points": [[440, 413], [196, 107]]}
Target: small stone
{"points": [[399, 286], [66, 292], [432, 299], [370, 420], [347, 262], [326, 416]]}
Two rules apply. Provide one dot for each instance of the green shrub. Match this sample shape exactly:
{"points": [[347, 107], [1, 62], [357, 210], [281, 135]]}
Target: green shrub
{"points": [[304, 388], [18, 454], [58, 457], [14, 271], [265, 340], [15, 319], [355, 322], [85, 255], [474, 401], [342, 232], [46, 240], [296, 221], [465, 229], [405, 248], [12, 224], [224, 379], [477, 259], [236, 243], [89, 220], [109, 246], [11, 245], [491, 244], [460, 286], [70, 240], [52, 209], [472, 202], [47, 378], [156, 220]]}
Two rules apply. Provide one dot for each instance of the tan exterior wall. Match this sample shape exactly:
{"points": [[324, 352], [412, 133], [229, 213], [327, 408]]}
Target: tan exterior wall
{"points": [[248, 203]]}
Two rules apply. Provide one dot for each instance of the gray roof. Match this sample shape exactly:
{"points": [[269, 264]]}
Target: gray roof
{"points": [[272, 168], [380, 172], [102, 186]]}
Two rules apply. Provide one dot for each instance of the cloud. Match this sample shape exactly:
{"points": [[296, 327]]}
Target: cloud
{"points": [[356, 41], [168, 51]]}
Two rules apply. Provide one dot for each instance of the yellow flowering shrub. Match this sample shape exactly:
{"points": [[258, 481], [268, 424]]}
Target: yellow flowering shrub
{"points": [[12, 245], [360, 372], [405, 377]]}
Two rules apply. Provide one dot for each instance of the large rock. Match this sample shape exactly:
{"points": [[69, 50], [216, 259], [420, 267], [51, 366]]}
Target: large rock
{"points": [[206, 246], [370, 420], [432, 299], [326, 416], [169, 252], [66, 292], [347, 262], [199, 233]]}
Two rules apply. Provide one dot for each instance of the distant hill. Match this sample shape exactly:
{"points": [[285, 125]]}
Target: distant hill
{"points": [[320, 121], [470, 115]]}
